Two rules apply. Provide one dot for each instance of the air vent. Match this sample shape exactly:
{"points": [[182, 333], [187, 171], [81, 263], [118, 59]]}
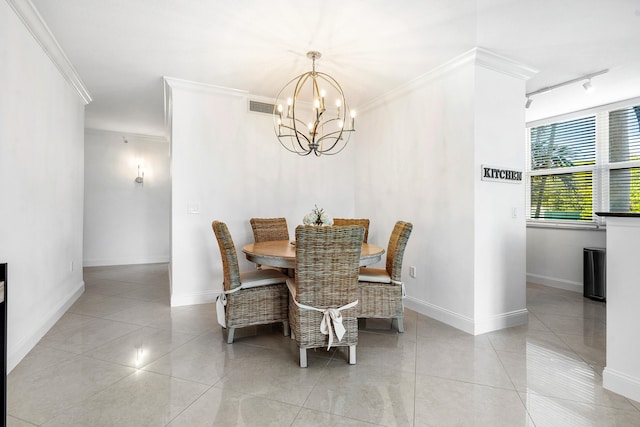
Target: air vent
{"points": [[261, 107]]}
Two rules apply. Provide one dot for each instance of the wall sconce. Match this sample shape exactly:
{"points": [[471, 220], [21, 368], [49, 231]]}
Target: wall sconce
{"points": [[140, 178]]}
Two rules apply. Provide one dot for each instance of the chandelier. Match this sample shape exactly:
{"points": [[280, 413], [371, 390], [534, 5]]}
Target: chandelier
{"points": [[306, 123]]}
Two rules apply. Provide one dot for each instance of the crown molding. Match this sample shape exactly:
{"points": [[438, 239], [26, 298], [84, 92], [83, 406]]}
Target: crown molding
{"points": [[172, 83], [487, 59], [189, 85], [477, 56], [129, 135], [32, 20]]}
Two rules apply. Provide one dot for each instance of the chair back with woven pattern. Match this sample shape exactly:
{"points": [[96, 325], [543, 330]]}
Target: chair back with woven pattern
{"points": [[230, 267], [354, 221], [395, 250], [327, 260], [269, 229]]}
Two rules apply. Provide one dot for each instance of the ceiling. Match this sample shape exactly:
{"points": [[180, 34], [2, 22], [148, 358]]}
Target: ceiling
{"points": [[122, 48]]}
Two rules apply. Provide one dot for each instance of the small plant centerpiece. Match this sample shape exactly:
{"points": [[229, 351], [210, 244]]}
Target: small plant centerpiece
{"points": [[317, 217]]}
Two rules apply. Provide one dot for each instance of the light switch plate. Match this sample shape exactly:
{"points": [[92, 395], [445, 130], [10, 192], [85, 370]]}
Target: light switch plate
{"points": [[193, 207]]}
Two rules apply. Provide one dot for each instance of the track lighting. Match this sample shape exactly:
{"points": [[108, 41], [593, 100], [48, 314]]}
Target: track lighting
{"points": [[586, 85]]}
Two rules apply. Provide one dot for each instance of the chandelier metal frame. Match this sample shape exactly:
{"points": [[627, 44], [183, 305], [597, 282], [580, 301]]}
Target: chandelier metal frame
{"points": [[324, 134]]}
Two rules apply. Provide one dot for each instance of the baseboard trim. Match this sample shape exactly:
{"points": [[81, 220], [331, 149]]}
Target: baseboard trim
{"points": [[502, 321], [621, 383], [440, 314], [554, 282], [464, 323], [193, 299], [26, 344], [103, 262]]}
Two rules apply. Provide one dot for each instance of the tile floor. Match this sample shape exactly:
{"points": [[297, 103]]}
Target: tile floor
{"points": [[122, 356]]}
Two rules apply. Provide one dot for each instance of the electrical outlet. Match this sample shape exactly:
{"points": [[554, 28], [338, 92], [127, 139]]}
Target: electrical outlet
{"points": [[412, 271]]}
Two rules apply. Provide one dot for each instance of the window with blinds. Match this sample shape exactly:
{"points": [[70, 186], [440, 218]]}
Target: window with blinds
{"points": [[563, 158], [564, 144], [624, 160], [586, 164]]}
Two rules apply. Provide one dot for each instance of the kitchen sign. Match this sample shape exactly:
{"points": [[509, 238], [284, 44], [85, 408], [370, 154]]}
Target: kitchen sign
{"points": [[498, 174]]}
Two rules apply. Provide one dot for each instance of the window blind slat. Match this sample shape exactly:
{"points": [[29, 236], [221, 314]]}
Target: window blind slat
{"points": [[624, 134], [562, 196], [624, 190], [564, 144]]}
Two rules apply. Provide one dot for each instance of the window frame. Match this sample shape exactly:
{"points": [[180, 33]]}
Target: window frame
{"points": [[600, 170]]}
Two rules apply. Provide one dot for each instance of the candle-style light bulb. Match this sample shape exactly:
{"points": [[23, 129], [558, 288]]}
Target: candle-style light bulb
{"points": [[338, 105], [353, 119]]}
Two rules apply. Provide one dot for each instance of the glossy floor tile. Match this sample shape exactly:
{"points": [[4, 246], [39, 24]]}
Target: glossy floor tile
{"points": [[121, 356]]}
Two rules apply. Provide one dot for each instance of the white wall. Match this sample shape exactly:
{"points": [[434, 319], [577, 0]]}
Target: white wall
{"points": [[622, 373], [425, 145], [227, 162], [126, 222], [418, 167], [41, 186], [500, 230], [417, 157], [554, 255]]}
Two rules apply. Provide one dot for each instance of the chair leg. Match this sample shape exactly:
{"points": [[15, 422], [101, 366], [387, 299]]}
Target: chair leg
{"points": [[400, 324], [230, 335], [285, 327], [303, 357], [352, 355]]}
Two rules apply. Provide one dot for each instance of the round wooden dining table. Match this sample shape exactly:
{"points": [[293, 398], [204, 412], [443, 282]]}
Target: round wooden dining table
{"points": [[282, 253]]}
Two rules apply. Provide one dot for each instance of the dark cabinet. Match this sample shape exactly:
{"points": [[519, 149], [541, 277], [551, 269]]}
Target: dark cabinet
{"points": [[3, 351]]}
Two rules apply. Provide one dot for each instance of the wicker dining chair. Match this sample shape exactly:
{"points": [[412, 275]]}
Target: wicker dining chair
{"points": [[249, 298], [380, 291], [268, 229], [325, 287], [354, 221]]}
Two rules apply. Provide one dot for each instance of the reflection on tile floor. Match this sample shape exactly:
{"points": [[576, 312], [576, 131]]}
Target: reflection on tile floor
{"points": [[122, 356]]}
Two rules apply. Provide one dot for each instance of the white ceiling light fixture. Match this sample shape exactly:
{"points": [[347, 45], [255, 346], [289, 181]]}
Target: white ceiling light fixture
{"points": [[316, 117], [588, 87]]}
